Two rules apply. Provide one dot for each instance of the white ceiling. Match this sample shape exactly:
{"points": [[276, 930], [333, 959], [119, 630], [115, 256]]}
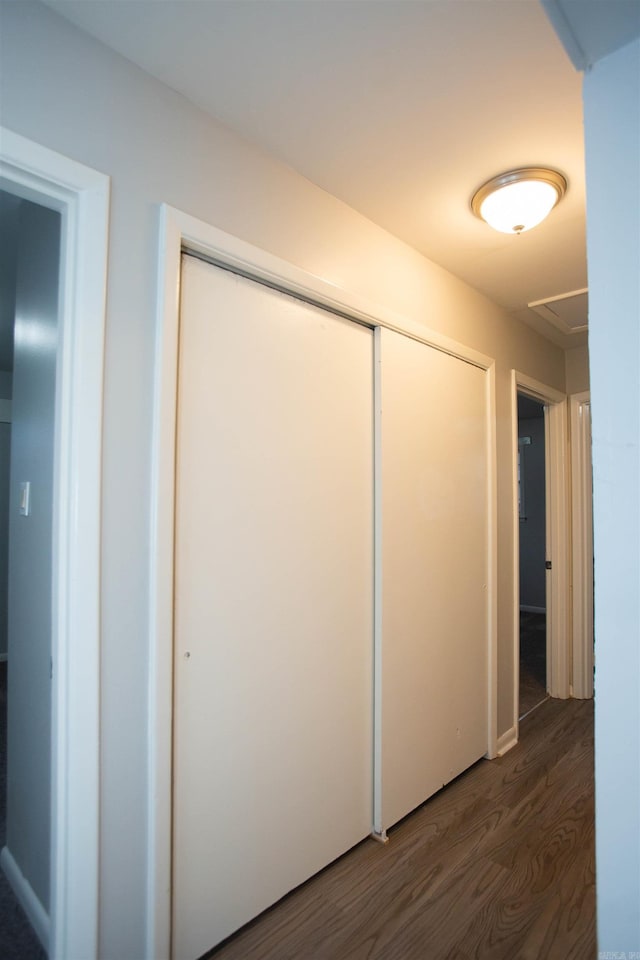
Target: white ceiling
{"points": [[592, 29], [401, 108]]}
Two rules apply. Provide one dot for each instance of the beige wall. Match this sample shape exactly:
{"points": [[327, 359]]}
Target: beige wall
{"points": [[69, 93], [577, 369]]}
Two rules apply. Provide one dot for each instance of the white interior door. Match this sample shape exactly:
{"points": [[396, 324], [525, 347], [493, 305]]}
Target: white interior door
{"points": [[273, 599], [432, 636]]}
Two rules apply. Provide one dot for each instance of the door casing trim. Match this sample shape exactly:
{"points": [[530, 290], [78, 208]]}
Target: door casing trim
{"points": [[81, 195], [582, 549], [557, 536]]}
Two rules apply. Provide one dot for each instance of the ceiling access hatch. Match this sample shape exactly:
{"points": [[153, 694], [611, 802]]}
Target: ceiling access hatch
{"points": [[567, 311]]}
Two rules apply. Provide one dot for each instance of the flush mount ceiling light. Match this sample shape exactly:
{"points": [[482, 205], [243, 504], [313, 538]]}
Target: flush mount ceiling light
{"points": [[519, 199]]}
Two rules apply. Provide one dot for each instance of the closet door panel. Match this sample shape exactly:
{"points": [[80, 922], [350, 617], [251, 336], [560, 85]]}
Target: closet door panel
{"points": [[434, 633], [273, 599]]}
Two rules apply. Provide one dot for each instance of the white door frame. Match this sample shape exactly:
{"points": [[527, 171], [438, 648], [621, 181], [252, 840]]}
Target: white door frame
{"points": [[582, 545], [81, 195], [557, 536], [180, 231]]}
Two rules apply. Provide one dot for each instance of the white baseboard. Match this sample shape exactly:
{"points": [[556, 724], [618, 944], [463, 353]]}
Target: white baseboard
{"points": [[38, 917], [527, 608], [508, 740]]}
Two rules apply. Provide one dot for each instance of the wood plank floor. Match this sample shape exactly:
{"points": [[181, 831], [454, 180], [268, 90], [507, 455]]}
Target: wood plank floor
{"points": [[533, 661], [498, 865]]}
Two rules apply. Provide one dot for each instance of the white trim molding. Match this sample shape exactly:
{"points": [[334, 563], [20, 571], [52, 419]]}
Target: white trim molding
{"points": [[81, 195], [557, 535], [492, 564], [558, 605], [582, 544], [179, 231], [507, 741]]}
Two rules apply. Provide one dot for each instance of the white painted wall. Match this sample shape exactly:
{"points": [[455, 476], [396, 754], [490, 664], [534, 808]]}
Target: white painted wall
{"points": [[612, 131], [5, 457], [30, 537], [68, 92], [8, 211]]}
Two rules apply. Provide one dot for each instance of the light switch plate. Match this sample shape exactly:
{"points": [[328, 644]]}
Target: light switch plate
{"points": [[25, 498]]}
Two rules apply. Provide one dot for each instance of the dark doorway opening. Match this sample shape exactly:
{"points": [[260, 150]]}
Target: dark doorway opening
{"points": [[29, 278], [532, 560]]}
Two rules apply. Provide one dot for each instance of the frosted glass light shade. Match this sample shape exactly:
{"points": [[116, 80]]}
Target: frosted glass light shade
{"points": [[519, 200]]}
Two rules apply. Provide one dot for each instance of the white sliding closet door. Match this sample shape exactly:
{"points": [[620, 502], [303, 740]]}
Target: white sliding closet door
{"points": [[433, 631], [273, 599]]}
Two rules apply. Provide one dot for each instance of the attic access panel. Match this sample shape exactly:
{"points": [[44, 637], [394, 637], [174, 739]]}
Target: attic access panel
{"points": [[568, 312]]}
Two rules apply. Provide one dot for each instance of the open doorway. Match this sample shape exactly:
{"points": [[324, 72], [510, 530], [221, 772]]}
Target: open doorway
{"points": [[29, 282], [555, 560], [533, 685]]}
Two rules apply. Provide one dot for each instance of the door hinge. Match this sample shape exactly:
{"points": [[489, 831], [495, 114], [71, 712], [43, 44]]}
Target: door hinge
{"points": [[547, 565]]}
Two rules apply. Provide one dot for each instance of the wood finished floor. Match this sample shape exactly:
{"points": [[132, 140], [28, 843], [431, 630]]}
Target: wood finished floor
{"points": [[498, 865], [533, 661]]}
